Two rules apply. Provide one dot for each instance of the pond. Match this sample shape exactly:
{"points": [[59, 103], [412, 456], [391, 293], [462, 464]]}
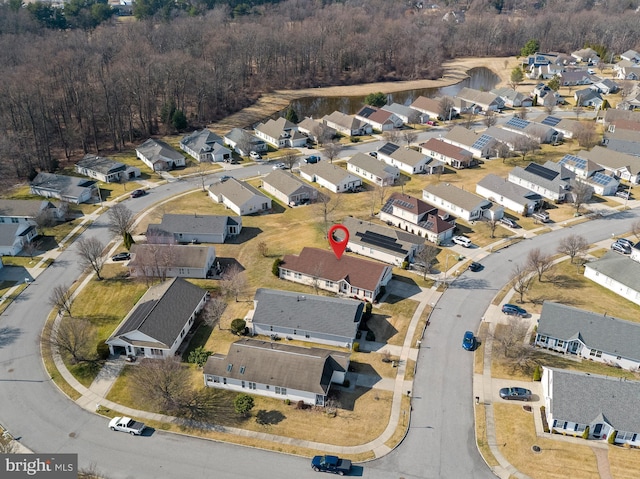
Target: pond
{"points": [[479, 78]]}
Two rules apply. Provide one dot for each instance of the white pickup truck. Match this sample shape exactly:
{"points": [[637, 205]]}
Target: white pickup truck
{"points": [[126, 424]]}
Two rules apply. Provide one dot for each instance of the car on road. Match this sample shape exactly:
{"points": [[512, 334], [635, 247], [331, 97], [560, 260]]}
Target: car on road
{"points": [[126, 424], [224, 178], [121, 257], [462, 241], [515, 394], [475, 267], [509, 222], [620, 248], [254, 155], [469, 341], [138, 193], [623, 194], [312, 159], [331, 464], [279, 166], [373, 153], [514, 310]]}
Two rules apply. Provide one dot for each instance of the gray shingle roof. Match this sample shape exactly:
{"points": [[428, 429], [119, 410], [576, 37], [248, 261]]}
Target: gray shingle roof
{"points": [[101, 164], [558, 183], [278, 364], [275, 128], [173, 256], [620, 268], [503, 187], [288, 184], [69, 186], [596, 331], [162, 311], [307, 312], [23, 208], [201, 141], [373, 165], [156, 150], [236, 191], [398, 238], [343, 120], [612, 159], [459, 197], [327, 171], [586, 398], [8, 233], [195, 224]]}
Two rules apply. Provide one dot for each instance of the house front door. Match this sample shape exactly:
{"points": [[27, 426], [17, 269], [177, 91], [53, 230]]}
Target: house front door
{"points": [[597, 430], [319, 400], [573, 349]]}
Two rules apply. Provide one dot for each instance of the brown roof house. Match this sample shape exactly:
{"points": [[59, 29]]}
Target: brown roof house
{"points": [[417, 217], [159, 322], [277, 370], [452, 155], [349, 276], [380, 120]]}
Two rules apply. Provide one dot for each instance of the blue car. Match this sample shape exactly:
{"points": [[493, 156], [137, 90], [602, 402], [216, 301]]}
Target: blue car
{"points": [[469, 341], [513, 310]]}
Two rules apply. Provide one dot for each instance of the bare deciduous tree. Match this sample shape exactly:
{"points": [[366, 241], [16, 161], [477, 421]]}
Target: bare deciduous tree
{"points": [[635, 229], [511, 342], [586, 135], [234, 282], [31, 247], [580, 193], [446, 108], [74, 337], [426, 256], [522, 113], [521, 279], [203, 170], [152, 261], [120, 220], [392, 136], [409, 136], [213, 311], [503, 151], [165, 383], [490, 119], [573, 245], [290, 159], [90, 252], [61, 299], [526, 145], [332, 149], [492, 224], [539, 262], [326, 205], [244, 144]]}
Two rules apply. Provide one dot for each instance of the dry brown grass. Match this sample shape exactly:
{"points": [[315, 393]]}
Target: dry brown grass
{"points": [[389, 322], [515, 434], [403, 424], [624, 462], [478, 358], [481, 436]]}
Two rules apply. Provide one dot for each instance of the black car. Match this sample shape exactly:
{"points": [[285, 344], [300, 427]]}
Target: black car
{"points": [[331, 464], [513, 310], [475, 267], [121, 257], [517, 394], [138, 193]]}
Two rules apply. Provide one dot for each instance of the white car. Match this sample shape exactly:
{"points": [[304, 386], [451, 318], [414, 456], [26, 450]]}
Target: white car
{"points": [[462, 241], [255, 155], [279, 166]]}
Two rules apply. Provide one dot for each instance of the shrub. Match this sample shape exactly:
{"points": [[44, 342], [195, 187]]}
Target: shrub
{"points": [[405, 264], [300, 404], [371, 336], [103, 350], [612, 437], [354, 139], [585, 434], [199, 356], [275, 269], [243, 403], [287, 401], [238, 326], [368, 307], [356, 347], [537, 373]]}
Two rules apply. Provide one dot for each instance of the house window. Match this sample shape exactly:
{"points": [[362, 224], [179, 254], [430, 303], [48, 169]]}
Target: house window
{"points": [[328, 284], [596, 353], [268, 387], [252, 385], [216, 379], [297, 275], [242, 368], [280, 390], [542, 339], [156, 352], [182, 333], [224, 380], [295, 332], [306, 335], [242, 384], [560, 343], [229, 367]]}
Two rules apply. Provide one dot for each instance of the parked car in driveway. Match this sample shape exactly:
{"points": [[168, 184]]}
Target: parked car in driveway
{"points": [[626, 242], [623, 194], [621, 248], [462, 241], [516, 394], [254, 155], [509, 222], [126, 424], [513, 310], [469, 341], [121, 257]]}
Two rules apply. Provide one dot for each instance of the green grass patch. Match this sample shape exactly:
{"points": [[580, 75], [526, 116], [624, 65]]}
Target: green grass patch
{"points": [[23, 261]]}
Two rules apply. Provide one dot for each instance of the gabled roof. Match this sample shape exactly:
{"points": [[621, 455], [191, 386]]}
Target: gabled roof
{"points": [[460, 134], [157, 150], [69, 186], [596, 331], [286, 183], [9, 232], [447, 149], [477, 97], [23, 208], [612, 159], [430, 105], [464, 199], [278, 364], [238, 134], [173, 256], [201, 141], [275, 128], [547, 176], [307, 312], [373, 165], [503, 187], [428, 217], [162, 311], [381, 238], [509, 94], [195, 224], [328, 171], [360, 273], [586, 398], [619, 268], [403, 110], [366, 111], [344, 121], [101, 164], [579, 163], [236, 191], [406, 156]]}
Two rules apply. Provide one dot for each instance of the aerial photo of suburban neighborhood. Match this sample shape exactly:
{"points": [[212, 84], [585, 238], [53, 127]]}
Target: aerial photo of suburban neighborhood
{"points": [[270, 239]]}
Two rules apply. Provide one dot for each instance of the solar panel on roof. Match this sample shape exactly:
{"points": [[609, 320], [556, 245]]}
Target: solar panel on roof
{"points": [[382, 241], [366, 112], [551, 121], [579, 163], [541, 171], [388, 149], [518, 123], [601, 179], [481, 142], [404, 204]]}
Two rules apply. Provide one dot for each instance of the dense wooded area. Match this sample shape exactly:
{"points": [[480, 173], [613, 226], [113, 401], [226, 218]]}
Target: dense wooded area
{"points": [[65, 93]]}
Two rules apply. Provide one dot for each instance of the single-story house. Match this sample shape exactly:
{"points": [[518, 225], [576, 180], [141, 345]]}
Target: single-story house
{"points": [[379, 119], [536, 131], [407, 160], [618, 164], [482, 146], [66, 188], [627, 70], [159, 156], [417, 217], [623, 136], [174, 228], [105, 169], [605, 86], [575, 401], [305, 317], [617, 273], [348, 276], [611, 115], [330, 176], [588, 97], [514, 197], [586, 55], [385, 244], [461, 203], [243, 142], [429, 106], [280, 133], [240, 197], [553, 181], [590, 173], [452, 155], [567, 127], [512, 98], [373, 169], [631, 56], [407, 114], [287, 188], [546, 96], [277, 370], [509, 138], [171, 261], [316, 130], [484, 100], [575, 77], [597, 337], [14, 236], [347, 125], [205, 145], [26, 211], [159, 322]]}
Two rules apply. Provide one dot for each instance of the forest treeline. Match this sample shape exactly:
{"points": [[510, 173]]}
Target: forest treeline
{"points": [[69, 92]]}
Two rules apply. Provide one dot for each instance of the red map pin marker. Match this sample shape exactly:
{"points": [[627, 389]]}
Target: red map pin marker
{"points": [[338, 246]]}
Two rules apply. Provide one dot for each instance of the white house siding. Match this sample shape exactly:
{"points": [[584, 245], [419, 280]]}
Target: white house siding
{"points": [[411, 227], [277, 194], [351, 182], [452, 208], [612, 285], [551, 195], [379, 255], [302, 335], [387, 180], [338, 287], [524, 209], [260, 389]]}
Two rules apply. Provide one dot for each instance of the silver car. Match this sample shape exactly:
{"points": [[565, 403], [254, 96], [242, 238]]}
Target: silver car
{"points": [[516, 394]]}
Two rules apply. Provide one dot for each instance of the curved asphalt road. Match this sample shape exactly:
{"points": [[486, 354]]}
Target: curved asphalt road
{"points": [[440, 443]]}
